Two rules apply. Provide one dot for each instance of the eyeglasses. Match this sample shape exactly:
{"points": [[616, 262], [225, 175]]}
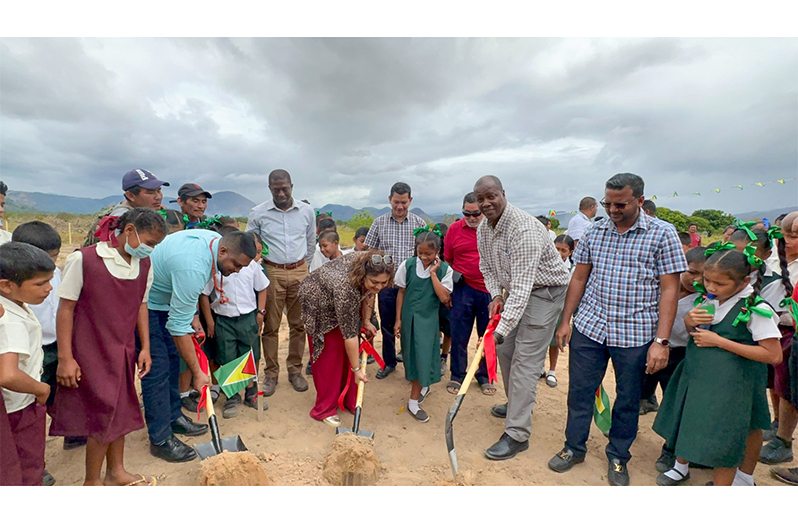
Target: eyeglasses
{"points": [[472, 214], [619, 206], [377, 259]]}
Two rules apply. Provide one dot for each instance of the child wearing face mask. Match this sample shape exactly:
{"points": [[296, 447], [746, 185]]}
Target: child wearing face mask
{"points": [[103, 302], [424, 283]]}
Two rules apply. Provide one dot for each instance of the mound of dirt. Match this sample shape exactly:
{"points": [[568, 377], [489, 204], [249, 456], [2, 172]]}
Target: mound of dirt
{"points": [[351, 461], [230, 469]]}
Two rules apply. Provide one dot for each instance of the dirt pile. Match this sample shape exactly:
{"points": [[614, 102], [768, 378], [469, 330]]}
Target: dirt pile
{"points": [[351, 461], [232, 469]]}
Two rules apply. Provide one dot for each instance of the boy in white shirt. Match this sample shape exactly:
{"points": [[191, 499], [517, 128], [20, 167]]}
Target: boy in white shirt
{"points": [[239, 306], [25, 274]]}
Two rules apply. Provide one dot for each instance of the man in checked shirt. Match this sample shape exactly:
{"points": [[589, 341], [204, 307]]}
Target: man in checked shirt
{"points": [[626, 285], [517, 255]]}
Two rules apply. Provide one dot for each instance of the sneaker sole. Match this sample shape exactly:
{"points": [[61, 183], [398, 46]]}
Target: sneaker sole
{"points": [[782, 478]]}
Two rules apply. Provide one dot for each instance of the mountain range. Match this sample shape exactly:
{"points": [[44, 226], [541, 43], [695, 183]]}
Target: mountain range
{"points": [[233, 204]]}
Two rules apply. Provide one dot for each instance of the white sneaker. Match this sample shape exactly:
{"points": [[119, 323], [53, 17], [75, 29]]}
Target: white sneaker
{"points": [[551, 379], [333, 421], [443, 367]]}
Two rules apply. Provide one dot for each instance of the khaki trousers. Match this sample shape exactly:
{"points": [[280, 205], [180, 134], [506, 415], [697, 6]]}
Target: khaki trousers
{"points": [[283, 295]]}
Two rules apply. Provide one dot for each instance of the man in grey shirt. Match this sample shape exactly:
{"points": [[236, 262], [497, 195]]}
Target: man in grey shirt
{"points": [[288, 227]]}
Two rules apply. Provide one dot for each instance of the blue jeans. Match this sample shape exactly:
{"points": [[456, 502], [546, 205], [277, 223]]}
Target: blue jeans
{"points": [[587, 364], [387, 305], [468, 304], [160, 387]]}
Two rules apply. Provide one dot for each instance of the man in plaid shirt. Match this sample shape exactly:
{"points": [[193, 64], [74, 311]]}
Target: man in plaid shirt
{"points": [[516, 255], [627, 278], [392, 233]]}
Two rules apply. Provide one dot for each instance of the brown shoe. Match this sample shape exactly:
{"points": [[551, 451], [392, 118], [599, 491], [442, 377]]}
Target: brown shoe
{"points": [[299, 383], [269, 384]]}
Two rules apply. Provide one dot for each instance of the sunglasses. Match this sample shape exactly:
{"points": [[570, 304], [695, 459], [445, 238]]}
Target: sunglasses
{"points": [[472, 214], [619, 206], [377, 259]]}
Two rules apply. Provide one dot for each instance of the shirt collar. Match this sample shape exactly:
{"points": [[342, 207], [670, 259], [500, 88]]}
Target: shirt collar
{"points": [[270, 205], [13, 308], [505, 218], [110, 253], [643, 222]]}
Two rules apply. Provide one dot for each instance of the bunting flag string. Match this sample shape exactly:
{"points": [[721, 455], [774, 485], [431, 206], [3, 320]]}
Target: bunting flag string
{"points": [[781, 181]]}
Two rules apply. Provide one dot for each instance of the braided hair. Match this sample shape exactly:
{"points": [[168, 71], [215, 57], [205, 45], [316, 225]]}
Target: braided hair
{"points": [[781, 249], [734, 264]]}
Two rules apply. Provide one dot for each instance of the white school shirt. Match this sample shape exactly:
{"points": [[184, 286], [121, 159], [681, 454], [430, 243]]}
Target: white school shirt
{"points": [[761, 328], [400, 279], [5, 236], [679, 336], [792, 267], [552, 235], [239, 288], [21, 333], [318, 259], [45, 312], [72, 282]]}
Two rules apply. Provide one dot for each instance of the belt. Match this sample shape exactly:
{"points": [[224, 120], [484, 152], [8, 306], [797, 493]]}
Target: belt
{"points": [[287, 266]]}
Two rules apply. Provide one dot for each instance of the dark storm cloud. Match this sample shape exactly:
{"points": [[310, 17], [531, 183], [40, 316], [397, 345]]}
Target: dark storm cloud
{"points": [[554, 118]]}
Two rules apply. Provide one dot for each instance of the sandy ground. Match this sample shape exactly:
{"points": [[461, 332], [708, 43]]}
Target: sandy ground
{"points": [[292, 446]]}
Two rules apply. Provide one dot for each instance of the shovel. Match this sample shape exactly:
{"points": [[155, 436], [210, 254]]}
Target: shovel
{"points": [[216, 445], [358, 407]]}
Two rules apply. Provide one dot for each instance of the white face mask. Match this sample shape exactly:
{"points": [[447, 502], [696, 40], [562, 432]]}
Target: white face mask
{"points": [[142, 251]]}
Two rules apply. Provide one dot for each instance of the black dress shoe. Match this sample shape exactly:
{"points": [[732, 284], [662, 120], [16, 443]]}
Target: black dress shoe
{"points": [[564, 460], [185, 426], [500, 411], [173, 450], [617, 474], [383, 373], [72, 442], [506, 448]]}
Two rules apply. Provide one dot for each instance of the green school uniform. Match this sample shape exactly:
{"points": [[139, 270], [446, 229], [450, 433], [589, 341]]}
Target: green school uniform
{"points": [[420, 328], [714, 399]]}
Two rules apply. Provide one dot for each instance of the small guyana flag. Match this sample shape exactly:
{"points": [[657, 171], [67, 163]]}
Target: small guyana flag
{"points": [[234, 377], [697, 193], [737, 187], [716, 190], [654, 198], [759, 184], [602, 412], [780, 181], [552, 213], [675, 194]]}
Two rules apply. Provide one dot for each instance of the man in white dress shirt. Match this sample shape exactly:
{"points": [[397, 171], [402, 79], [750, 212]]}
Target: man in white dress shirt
{"points": [[583, 219]]}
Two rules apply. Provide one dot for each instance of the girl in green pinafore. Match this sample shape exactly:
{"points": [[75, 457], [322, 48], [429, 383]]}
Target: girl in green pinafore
{"points": [[424, 283], [715, 407]]}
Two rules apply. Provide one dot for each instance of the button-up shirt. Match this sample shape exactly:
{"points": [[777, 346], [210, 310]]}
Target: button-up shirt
{"points": [[182, 266], [578, 225], [518, 256], [46, 311], [240, 289], [394, 237], [290, 234], [620, 307], [460, 250], [21, 334]]}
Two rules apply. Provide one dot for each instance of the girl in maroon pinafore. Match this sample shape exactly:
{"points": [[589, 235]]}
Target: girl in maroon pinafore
{"points": [[102, 305]]}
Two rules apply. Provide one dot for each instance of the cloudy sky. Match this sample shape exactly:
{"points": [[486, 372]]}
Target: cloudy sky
{"points": [[553, 118]]}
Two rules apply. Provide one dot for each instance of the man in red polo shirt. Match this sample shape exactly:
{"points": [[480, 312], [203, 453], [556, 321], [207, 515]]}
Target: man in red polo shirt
{"points": [[470, 298]]}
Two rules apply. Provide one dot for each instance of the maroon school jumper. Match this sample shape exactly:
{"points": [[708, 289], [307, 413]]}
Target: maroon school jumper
{"points": [[105, 405]]}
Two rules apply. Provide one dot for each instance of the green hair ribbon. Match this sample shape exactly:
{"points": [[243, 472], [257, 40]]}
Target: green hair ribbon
{"points": [[435, 230], [745, 313], [774, 233], [746, 226], [752, 258], [701, 290], [792, 307], [725, 246]]}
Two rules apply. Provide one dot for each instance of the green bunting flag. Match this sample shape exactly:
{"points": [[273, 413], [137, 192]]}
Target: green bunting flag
{"points": [[234, 377], [674, 194], [654, 198], [602, 411], [697, 193], [737, 187]]}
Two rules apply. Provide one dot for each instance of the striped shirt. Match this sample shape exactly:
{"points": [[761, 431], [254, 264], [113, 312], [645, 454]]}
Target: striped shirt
{"points": [[393, 237], [620, 307], [517, 256]]}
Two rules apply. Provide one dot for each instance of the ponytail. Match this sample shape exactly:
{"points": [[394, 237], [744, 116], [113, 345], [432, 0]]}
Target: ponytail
{"points": [[752, 299], [785, 272]]}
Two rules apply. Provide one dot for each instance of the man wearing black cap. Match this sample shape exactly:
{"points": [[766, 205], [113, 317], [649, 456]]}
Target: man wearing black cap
{"points": [[193, 201]]}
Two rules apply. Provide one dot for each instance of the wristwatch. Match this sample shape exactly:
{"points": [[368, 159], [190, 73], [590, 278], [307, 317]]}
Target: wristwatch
{"points": [[665, 342], [262, 311]]}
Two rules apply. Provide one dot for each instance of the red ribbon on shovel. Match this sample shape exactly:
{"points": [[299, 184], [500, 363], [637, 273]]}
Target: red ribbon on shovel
{"points": [[490, 348], [365, 345], [203, 363]]}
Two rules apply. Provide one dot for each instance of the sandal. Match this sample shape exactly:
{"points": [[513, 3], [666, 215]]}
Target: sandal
{"points": [[143, 481], [488, 389], [452, 387]]}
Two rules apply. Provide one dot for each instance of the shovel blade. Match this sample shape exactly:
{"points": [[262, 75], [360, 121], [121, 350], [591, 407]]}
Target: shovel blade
{"points": [[232, 444], [362, 433]]}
